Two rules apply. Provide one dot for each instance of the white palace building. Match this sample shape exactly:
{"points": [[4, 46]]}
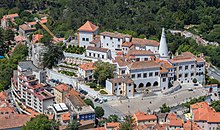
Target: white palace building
{"points": [[141, 64]]}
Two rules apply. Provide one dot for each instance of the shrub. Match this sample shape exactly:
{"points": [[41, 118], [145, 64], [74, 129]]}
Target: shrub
{"points": [[103, 92]]}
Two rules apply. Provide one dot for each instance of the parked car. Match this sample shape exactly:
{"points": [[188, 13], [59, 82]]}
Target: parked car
{"points": [[96, 99], [190, 89]]}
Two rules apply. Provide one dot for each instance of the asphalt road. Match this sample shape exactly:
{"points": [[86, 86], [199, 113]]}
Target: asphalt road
{"points": [[130, 106], [214, 72]]}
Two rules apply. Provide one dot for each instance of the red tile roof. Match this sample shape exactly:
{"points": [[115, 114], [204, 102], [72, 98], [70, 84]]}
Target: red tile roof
{"points": [[36, 38], [3, 96], [88, 66], [65, 116], [112, 125], [145, 42], [13, 120], [62, 87], [141, 116], [188, 125], [127, 44], [115, 35], [144, 65], [88, 27], [187, 56], [97, 49], [139, 53], [174, 121]]}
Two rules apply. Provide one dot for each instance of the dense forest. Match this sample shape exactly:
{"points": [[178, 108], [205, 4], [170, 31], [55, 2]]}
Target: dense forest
{"points": [[141, 18]]}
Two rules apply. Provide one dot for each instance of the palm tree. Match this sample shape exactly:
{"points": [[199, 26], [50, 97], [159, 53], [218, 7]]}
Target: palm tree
{"points": [[52, 55], [73, 125]]}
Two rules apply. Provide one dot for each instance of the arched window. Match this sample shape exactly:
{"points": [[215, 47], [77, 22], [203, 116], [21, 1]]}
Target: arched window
{"points": [[155, 83], [141, 85], [148, 84], [135, 85]]}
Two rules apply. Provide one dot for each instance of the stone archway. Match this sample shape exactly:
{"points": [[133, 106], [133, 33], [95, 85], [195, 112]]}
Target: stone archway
{"points": [[155, 83], [148, 84], [141, 85]]}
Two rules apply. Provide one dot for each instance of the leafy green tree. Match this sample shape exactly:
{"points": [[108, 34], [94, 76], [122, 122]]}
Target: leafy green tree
{"points": [[103, 71], [216, 105], [112, 118], [40, 122], [99, 112], [128, 123], [164, 108], [89, 102], [73, 125], [52, 55]]}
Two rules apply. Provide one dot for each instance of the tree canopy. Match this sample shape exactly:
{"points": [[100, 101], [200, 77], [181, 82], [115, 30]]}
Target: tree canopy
{"points": [[99, 112], [128, 123]]}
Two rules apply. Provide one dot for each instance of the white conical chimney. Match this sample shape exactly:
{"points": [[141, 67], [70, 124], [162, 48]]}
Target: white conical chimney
{"points": [[163, 49]]}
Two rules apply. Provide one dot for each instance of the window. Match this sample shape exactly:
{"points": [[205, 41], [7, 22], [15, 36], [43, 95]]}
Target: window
{"points": [[87, 39], [180, 75], [103, 37], [98, 55], [186, 67], [137, 59], [120, 83], [102, 56], [145, 59], [150, 74], [180, 67], [123, 72], [83, 39], [139, 75], [156, 73], [133, 76], [111, 38], [164, 79], [129, 90], [186, 75], [115, 84], [129, 84], [93, 54], [145, 75], [119, 46], [119, 39], [192, 66], [192, 74]]}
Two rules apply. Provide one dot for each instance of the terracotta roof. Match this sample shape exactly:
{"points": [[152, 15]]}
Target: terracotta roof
{"points": [[119, 80], [25, 27], [141, 116], [163, 70], [65, 116], [99, 128], [144, 65], [203, 112], [97, 49], [188, 125], [187, 56], [121, 61], [127, 44], [96, 40], [174, 121], [88, 66], [36, 38], [3, 95], [115, 35], [167, 65], [7, 109], [19, 38], [144, 42], [13, 120], [112, 124], [88, 27], [139, 53], [75, 98], [62, 87]]}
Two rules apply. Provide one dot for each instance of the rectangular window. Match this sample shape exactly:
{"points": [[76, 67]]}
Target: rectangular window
{"points": [[103, 37], [111, 38], [87, 39], [186, 67], [180, 75], [186, 75], [129, 84], [192, 74], [120, 83], [115, 84], [180, 67], [83, 39], [133, 76], [119, 39], [137, 59], [145, 59], [150, 74], [98, 55], [129, 90], [102, 56], [90, 54], [156, 73], [145, 75], [93, 54], [164, 79], [123, 71], [192, 66], [139, 75]]}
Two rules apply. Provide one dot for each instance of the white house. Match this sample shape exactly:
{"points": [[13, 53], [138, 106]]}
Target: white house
{"points": [[86, 34], [120, 86], [113, 41], [140, 55], [187, 67], [8, 18], [86, 71], [98, 53]]}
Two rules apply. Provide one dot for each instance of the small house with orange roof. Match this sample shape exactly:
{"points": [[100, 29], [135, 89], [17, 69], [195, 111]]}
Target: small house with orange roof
{"points": [[173, 121], [65, 118], [6, 19], [205, 116], [112, 125], [36, 38], [86, 34], [190, 125], [144, 118], [60, 91], [86, 71]]}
